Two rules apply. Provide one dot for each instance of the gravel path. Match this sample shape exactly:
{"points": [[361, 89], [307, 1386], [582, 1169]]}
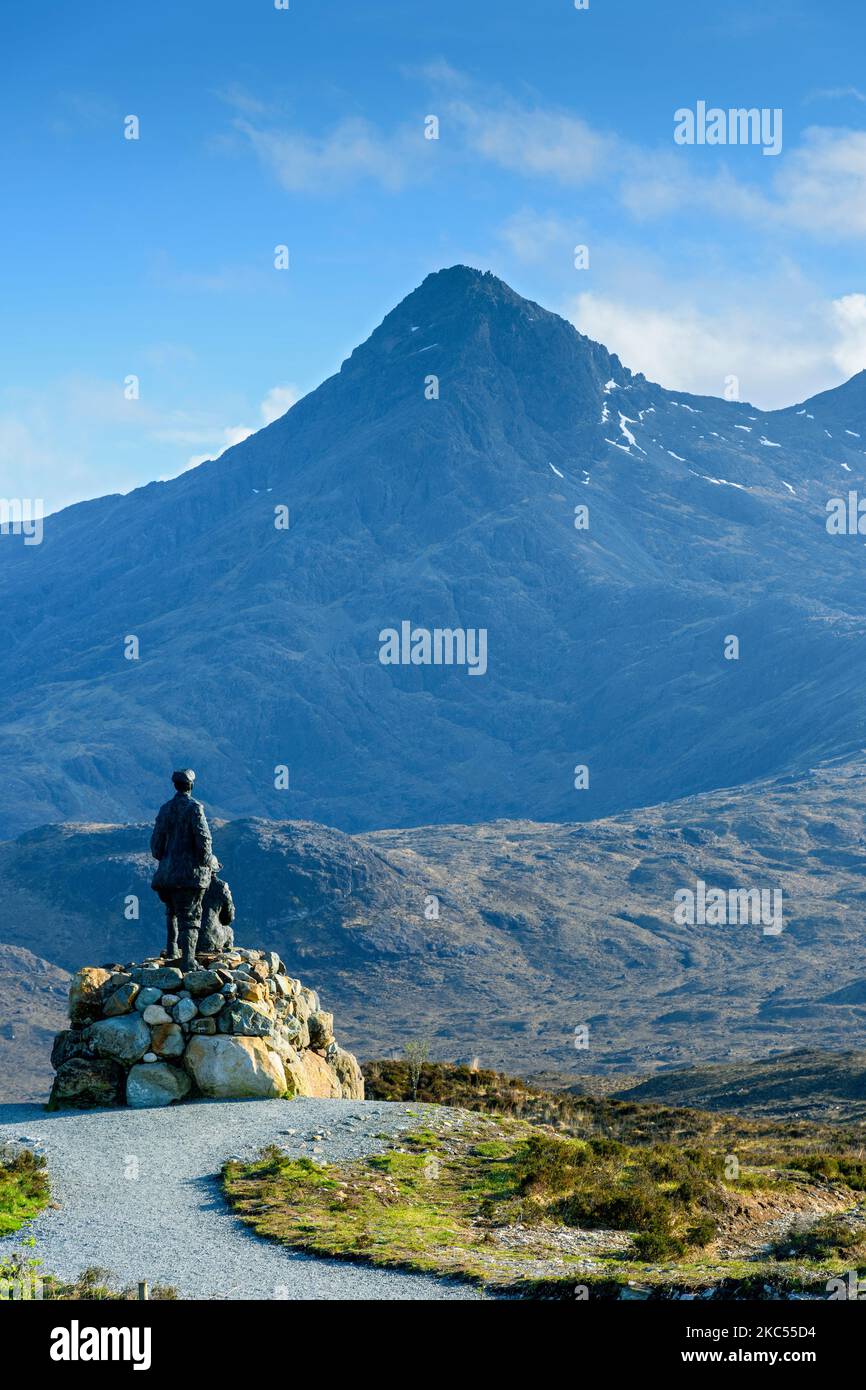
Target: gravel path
{"points": [[169, 1224]]}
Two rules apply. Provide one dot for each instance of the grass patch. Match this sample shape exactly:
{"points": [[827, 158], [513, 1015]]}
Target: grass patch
{"points": [[461, 1203], [24, 1190], [415, 1206], [525, 1190]]}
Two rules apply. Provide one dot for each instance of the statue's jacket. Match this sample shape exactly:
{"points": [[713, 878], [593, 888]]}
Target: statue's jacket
{"points": [[181, 842]]}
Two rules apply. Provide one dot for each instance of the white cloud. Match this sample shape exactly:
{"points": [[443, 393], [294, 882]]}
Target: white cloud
{"points": [[535, 141], [278, 400], [849, 314], [836, 94], [823, 187], [240, 99], [54, 441], [19, 448], [819, 189], [819, 186], [49, 436], [777, 360]]}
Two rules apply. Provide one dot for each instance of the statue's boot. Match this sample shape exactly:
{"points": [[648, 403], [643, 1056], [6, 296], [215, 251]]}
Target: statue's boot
{"points": [[189, 942], [171, 951]]}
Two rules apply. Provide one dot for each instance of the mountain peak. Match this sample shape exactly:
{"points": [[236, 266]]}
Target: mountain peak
{"points": [[463, 318], [465, 285]]}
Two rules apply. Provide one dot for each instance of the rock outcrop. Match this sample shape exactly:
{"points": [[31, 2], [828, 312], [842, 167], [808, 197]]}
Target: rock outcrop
{"points": [[238, 1025]]}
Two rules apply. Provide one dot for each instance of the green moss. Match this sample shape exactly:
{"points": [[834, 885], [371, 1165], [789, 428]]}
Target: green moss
{"points": [[406, 1166], [493, 1148], [423, 1138]]}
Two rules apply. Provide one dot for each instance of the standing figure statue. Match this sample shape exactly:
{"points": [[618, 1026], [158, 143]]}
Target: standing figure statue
{"points": [[181, 842], [217, 915]]}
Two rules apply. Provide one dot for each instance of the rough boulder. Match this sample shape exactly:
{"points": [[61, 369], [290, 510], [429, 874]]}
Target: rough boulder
{"points": [[237, 1026]]}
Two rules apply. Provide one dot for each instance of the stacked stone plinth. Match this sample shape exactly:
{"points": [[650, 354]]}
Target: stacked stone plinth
{"points": [[238, 1026]]}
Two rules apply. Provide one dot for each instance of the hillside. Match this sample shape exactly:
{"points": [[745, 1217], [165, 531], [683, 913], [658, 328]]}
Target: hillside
{"points": [[259, 647], [540, 928], [828, 1086], [33, 996]]}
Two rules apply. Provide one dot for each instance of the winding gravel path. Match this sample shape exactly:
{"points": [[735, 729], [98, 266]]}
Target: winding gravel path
{"points": [[138, 1196]]}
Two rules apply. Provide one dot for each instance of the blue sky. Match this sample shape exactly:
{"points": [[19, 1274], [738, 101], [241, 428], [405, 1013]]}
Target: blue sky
{"points": [[259, 127]]}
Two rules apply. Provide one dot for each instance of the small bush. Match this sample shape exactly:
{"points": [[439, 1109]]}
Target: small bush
{"points": [[623, 1209], [701, 1232], [850, 1171], [607, 1148], [658, 1245], [549, 1165], [829, 1237]]}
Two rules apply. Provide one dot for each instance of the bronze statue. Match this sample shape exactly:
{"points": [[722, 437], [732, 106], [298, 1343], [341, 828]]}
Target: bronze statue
{"points": [[217, 915], [181, 842]]}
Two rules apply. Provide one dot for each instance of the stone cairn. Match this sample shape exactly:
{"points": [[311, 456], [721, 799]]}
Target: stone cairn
{"points": [[237, 1026]]}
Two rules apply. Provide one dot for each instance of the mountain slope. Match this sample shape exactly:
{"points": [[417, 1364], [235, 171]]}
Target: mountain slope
{"points": [[540, 927], [259, 647], [828, 1086], [33, 1008]]}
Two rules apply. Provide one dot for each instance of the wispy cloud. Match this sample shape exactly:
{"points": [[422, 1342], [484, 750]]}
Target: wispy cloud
{"points": [[535, 142], [241, 99], [352, 152], [820, 189], [823, 187], [72, 112], [475, 123], [49, 437], [836, 94], [534, 237], [223, 278]]}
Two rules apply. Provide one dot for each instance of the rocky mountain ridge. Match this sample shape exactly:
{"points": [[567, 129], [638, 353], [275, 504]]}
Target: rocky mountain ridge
{"points": [[438, 479]]}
